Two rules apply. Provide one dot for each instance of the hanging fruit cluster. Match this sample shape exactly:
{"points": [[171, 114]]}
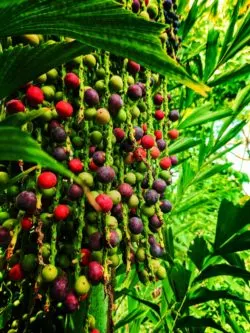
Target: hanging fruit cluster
{"points": [[107, 119]]}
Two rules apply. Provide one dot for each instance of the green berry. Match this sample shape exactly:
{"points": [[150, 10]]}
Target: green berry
{"points": [[10, 223], [63, 261], [4, 216], [29, 262], [89, 60], [48, 193], [121, 116], [130, 80], [97, 256], [49, 273], [52, 75], [87, 178], [152, 10], [46, 250], [100, 73], [49, 93], [165, 175], [42, 78], [133, 201], [115, 196], [4, 178], [116, 83], [77, 141], [140, 254], [12, 191], [90, 113], [130, 178], [115, 259], [100, 86], [161, 273], [82, 285], [135, 112], [111, 222], [145, 15], [95, 137], [148, 210], [58, 96]]}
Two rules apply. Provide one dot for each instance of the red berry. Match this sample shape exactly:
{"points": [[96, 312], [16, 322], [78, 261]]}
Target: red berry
{"points": [[147, 141], [129, 159], [71, 81], [158, 99], [94, 330], [75, 165], [34, 96], [105, 202], [158, 134], [144, 127], [155, 152], [14, 106], [119, 134], [133, 67], [165, 163], [85, 256], [64, 109], [95, 272], [16, 273], [47, 179], [93, 166], [61, 212], [159, 114], [140, 154], [26, 223], [126, 190], [173, 134]]}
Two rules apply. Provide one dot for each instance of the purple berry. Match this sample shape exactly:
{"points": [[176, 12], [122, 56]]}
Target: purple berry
{"points": [[136, 6], [145, 183], [166, 206], [126, 190], [135, 225], [99, 158], [75, 192], [105, 174], [95, 272], [156, 250], [115, 103], [174, 115], [134, 92], [161, 144], [155, 222], [138, 133], [127, 145], [60, 154], [58, 134], [113, 239], [91, 97], [143, 88], [167, 4], [71, 302], [26, 201], [4, 236], [159, 185], [60, 288], [117, 211], [151, 240], [151, 197], [174, 160], [96, 241]]}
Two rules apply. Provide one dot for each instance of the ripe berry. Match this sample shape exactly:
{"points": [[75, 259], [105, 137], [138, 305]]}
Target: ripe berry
{"points": [[119, 134], [94, 330], [105, 202], [26, 201], [71, 302], [134, 92], [102, 116], [105, 174], [99, 158], [58, 134], [71, 81], [151, 197], [117, 211], [61, 212], [136, 6], [64, 109], [159, 185], [16, 273], [147, 141], [85, 257], [161, 144], [159, 114], [126, 190], [173, 134], [60, 288], [115, 103], [140, 154], [166, 206], [155, 152], [75, 165], [95, 241], [14, 106], [135, 225], [138, 133], [167, 4], [127, 145], [158, 99], [93, 166], [34, 96], [4, 236], [26, 223], [165, 163], [143, 89], [174, 160], [46, 180], [91, 97], [133, 67], [113, 238], [75, 192], [174, 115], [95, 272], [155, 222], [60, 154], [156, 250], [158, 134]]}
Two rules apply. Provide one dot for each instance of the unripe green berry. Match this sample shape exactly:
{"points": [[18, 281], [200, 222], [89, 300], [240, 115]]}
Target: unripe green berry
{"points": [[116, 83], [133, 201], [87, 178], [89, 60], [115, 196], [52, 75], [4, 178], [148, 210], [130, 178]]}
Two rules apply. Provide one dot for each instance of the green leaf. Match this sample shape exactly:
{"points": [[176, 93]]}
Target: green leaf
{"points": [[100, 24], [182, 145], [223, 269], [20, 65], [211, 52], [236, 328], [190, 321], [203, 294], [21, 118], [169, 243], [231, 220], [130, 317], [227, 76], [5, 315], [210, 172], [198, 250], [179, 278]]}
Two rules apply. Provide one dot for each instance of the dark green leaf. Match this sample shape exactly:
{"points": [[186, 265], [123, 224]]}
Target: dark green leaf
{"points": [[130, 317], [223, 269], [169, 243], [198, 250], [122, 32], [20, 65], [5, 315], [182, 145], [179, 278], [236, 328], [210, 171], [191, 321], [21, 118], [227, 76]]}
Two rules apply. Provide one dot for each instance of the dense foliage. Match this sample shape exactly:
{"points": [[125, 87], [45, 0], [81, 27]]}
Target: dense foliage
{"points": [[118, 208]]}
